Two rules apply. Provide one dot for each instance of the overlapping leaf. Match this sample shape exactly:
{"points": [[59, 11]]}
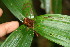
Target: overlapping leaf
{"points": [[54, 27], [22, 37], [20, 8], [7, 16]]}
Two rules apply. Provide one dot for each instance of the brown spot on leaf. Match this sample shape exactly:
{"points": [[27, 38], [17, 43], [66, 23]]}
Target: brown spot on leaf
{"points": [[45, 17], [26, 7], [29, 3], [48, 17]]}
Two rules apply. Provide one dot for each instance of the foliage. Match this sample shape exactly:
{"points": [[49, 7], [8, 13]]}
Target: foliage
{"points": [[50, 26]]}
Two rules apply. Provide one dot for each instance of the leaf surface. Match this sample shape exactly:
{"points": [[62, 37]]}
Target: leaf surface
{"points": [[20, 8], [54, 27], [6, 16], [22, 37]]}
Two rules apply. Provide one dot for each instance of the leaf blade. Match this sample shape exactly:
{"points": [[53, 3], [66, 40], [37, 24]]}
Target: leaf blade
{"points": [[54, 27], [20, 8], [22, 37]]}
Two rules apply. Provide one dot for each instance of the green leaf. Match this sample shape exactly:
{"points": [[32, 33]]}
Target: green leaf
{"points": [[57, 6], [20, 8], [54, 27], [22, 37], [7, 16]]}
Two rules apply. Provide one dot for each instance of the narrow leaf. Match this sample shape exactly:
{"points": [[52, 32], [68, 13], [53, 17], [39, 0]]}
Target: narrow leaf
{"points": [[20, 8], [54, 27], [22, 37], [6, 16]]}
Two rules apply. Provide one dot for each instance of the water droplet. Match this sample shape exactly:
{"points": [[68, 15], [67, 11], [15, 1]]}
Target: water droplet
{"points": [[41, 20], [33, 33], [11, 4], [30, 34], [31, 40], [16, 39], [26, 43], [32, 16], [30, 30], [21, 20]]}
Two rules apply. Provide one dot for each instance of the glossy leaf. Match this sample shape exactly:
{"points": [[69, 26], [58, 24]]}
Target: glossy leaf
{"points": [[7, 16], [54, 27], [20, 8], [22, 37]]}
